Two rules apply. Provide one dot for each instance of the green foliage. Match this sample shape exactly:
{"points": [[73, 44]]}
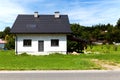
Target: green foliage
{"points": [[54, 54], [77, 29], [9, 38], [115, 47], [118, 24], [1, 35], [6, 31], [101, 32], [74, 46], [10, 42], [105, 48], [24, 54], [71, 46]]}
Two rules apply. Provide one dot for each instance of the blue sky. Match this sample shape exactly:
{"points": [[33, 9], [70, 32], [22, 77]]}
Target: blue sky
{"points": [[84, 12]]}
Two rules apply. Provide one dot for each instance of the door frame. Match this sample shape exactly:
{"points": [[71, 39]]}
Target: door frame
{"points": [[42, 47]]}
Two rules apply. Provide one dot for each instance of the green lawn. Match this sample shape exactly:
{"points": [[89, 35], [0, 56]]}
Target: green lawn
{"points": [[105, 48], [10, 61], [106, 52]]}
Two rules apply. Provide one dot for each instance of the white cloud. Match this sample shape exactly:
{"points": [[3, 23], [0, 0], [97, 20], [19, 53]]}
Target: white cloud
{"points": [[91, 13], [11, 8], [9, 11]]}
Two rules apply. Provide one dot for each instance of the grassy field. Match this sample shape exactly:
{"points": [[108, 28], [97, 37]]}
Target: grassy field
{"points": [[10, 61], [106, 52], [105, 48]]}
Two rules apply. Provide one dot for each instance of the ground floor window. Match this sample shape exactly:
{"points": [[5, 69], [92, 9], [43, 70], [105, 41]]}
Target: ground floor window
{"points": [[27, 42], [54, 42]]}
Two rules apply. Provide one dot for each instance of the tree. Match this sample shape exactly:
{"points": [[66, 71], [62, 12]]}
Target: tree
{"points": [[77, 30], [74, 46], [1, 35], [9, 38], [6, 31], [118, 24], [10, 42]]}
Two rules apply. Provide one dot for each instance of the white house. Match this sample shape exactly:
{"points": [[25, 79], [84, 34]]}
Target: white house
{"points": [[41, 34]]}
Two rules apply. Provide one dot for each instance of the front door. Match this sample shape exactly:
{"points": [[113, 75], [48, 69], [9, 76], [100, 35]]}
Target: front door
{"points": [[41, 46]]}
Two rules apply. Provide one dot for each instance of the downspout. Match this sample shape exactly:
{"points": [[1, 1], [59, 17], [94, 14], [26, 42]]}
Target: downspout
{"points": [[67, 44], [16, 45]]}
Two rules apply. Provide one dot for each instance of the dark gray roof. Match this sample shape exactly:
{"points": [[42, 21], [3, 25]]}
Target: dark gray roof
{"points": [[42, 24]]}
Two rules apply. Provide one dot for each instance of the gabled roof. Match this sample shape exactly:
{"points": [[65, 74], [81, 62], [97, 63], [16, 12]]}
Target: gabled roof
{"points": [[43, 24]]}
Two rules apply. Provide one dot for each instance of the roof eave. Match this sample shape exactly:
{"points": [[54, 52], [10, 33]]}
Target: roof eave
{"points": [[42, 33]]}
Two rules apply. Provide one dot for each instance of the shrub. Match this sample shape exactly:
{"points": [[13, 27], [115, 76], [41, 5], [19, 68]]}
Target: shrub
{"points": [[115, 47], [10, 42], [24, 54], [56, 54]]}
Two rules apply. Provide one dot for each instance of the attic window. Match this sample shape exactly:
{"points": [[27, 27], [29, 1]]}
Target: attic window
{"points": [[31, 25]]}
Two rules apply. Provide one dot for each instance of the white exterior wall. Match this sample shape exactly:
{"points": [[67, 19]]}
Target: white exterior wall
{"points": [[33, 49]]}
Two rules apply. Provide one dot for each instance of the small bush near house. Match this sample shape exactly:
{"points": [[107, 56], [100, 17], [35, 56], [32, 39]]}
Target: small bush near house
{"points": [[24, 54], [52, 54], [115, 47]]}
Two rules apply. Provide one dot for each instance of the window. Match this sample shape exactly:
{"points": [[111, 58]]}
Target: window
{"points": [[27, 42], [31, 26], [54, 42]]}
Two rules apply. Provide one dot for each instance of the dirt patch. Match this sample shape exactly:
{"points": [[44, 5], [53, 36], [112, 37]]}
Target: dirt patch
{"points": [[106, 64]]}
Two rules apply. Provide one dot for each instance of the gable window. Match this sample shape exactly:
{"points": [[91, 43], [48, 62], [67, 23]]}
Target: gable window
{"points": [[27, 42], [54, 42]]}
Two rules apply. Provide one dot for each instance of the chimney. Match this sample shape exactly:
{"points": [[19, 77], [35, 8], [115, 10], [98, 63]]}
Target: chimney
{"points": [[36, 14], [57, 14]]}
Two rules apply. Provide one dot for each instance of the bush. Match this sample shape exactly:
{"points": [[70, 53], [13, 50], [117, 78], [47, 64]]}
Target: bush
{"points": [[56, 54], [115, 47], [10, 42], [24, 54], [74, 46]]}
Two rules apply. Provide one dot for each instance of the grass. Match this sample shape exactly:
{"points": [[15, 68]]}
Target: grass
{"points": [[105, 48], [106, 52], [10, 61]]}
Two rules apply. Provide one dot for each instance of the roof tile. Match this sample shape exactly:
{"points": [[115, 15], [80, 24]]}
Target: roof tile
{"points": [[42, 24]]}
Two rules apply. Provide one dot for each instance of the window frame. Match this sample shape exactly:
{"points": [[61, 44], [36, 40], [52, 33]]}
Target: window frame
{"points": [[54, 42], [28, 44]]}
